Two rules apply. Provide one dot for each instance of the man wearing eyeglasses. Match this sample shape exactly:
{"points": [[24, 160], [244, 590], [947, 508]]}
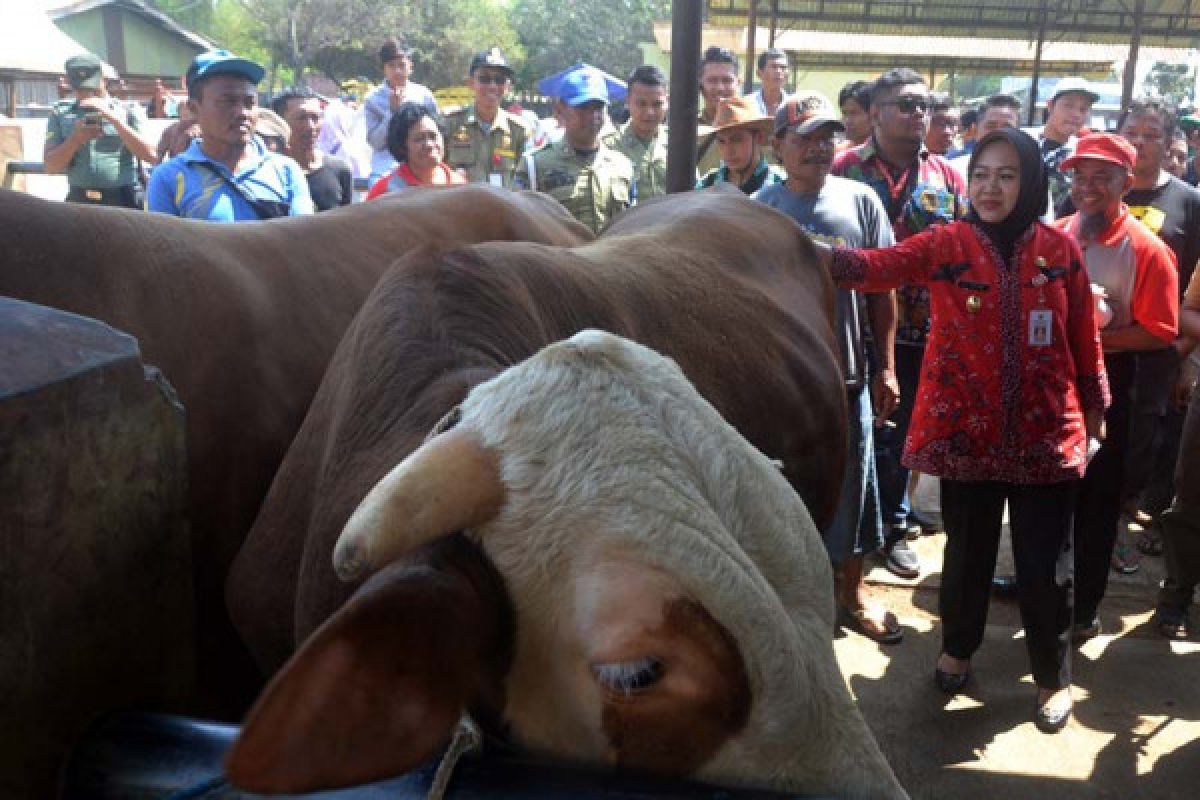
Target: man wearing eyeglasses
{"points": [[483, 140], [918, 189]]}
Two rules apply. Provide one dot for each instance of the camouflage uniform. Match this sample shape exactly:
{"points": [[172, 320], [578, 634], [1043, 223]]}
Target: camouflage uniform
{"points": [[593, 187], [649, 158], [489, 156]]}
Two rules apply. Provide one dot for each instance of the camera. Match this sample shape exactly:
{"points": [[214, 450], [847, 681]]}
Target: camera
{"points": [[92, 118]]}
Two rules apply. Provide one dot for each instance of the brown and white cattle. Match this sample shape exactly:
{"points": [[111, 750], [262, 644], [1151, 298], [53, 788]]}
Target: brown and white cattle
{"points": [[242, 319], [660, 599], [730, 289]]}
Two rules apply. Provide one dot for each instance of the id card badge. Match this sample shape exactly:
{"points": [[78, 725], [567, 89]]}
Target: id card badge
{"points": [[1041, 323], [497, 180]]}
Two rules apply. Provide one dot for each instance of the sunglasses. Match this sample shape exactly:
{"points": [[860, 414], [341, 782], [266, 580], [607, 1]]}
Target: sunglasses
{"points": [[498, 78], [907, 105]]}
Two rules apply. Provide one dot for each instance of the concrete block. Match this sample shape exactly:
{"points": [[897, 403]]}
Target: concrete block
{"points": [[96, 598]]}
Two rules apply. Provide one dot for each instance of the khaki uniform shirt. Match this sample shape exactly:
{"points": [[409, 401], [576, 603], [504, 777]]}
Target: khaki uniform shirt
{"points": [[103, 163], [489, 156], [649, 159], [593, 187]]}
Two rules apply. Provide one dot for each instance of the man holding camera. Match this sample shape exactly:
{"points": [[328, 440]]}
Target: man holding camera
{"points": [[96, 140]]}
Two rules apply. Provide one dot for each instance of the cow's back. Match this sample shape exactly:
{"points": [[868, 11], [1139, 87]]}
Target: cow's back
{"points": [[242, 319]]}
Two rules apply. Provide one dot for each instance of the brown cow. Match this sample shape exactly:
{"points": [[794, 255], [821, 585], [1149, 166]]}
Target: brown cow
{"points": [[242, 319], [637, 585], [726, 287]]}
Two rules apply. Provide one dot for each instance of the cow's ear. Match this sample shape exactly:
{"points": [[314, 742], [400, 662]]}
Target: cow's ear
{"points": [[378, 689]]}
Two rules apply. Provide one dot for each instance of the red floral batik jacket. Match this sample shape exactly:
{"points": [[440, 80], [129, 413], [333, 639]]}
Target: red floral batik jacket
{"points": [[1013, 357]]}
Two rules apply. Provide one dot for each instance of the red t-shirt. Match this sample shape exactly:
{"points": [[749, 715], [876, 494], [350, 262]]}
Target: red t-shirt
{"points": [[402, 177], [1138, 270]]}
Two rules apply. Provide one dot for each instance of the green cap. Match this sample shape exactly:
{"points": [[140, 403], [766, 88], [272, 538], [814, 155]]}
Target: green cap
{"points": [[1189, 123], [84, 72]]}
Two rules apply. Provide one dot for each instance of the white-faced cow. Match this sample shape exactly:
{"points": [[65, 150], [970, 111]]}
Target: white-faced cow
{"points": [[242, 319], [729, 289], [661, 598]]}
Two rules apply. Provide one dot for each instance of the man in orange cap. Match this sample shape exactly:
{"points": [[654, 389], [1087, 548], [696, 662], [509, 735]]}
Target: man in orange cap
{"points": [[1136, 279], [741, 131]]}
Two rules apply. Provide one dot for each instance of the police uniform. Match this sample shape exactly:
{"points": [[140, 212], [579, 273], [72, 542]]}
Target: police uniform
{"points": [[649, 158], [103, 170], [593, 187], [486, 154]]}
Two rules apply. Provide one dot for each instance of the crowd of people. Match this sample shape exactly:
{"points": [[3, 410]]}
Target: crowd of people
{"points": [[1014, 314]]}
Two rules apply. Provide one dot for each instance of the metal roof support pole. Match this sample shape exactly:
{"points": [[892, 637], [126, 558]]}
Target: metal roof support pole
{"points": [[774, 23], [687, 24], [751, 35], [1135, 42], [1037, 65]]}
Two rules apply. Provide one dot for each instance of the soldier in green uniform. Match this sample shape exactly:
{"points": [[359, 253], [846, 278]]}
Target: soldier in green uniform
{"points": [[96, 140], [483, 140], [643, 139], [593, 182]]}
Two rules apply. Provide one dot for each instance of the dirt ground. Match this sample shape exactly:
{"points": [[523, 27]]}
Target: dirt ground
{"points": [[1135, 732]]}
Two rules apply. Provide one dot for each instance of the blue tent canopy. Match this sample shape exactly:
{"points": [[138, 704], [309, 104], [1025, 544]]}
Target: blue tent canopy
{"points": [[551, 86]]}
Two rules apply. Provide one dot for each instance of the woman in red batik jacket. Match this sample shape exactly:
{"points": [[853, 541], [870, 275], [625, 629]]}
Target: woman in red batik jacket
{"points": [[1012, 389]]}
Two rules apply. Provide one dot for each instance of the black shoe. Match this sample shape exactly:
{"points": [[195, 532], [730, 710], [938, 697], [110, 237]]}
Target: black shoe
{"points": [[1052, 720], [901, 560], [1004, 586], [950, 682], [1083, 631]]}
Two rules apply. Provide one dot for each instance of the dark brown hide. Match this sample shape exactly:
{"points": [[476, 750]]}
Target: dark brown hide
{"points": [[730, 289], [377, 690], [242, 319]]}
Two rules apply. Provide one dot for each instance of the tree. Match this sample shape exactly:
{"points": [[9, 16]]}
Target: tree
{"points": [[606, 35], [1171, 82]]}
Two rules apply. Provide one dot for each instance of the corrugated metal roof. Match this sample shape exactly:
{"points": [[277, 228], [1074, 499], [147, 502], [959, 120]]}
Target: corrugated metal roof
{"points": [[1165, 23], [813, 49]]}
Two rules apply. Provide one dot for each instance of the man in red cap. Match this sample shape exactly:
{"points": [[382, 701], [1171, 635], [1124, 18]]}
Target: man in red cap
{"points": [[1134, 275]]}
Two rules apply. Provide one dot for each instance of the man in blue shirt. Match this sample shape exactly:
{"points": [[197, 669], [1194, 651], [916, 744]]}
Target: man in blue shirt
{"points": [[228, 174]]}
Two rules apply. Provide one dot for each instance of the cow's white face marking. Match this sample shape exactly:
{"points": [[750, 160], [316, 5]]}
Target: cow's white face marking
{"points": [[673, 600]]}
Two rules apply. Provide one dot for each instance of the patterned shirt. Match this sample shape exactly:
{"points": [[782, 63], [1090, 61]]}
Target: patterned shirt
{"points": [[1013, 360], [933, 193]]}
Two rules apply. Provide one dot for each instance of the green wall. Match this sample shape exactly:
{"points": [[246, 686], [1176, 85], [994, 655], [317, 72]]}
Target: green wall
{"points": [[149, 50]]}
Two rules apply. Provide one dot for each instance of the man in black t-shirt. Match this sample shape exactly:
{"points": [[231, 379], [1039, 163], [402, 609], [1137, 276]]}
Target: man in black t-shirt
{"points": [[1171, 209], [330, 179]]}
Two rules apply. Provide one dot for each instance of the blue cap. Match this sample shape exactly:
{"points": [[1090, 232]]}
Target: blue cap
{"points": [[223, 62], [555, 85], [583, 86]]}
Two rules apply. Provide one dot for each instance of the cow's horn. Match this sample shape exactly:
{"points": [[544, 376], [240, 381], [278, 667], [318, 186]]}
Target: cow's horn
{"points": [[451, 482]]}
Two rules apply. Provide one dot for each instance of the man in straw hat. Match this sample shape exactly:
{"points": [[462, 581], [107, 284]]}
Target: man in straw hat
{"points": [[741, 131]]}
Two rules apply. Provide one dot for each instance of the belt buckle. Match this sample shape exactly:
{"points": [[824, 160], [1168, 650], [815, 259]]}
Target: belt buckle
{"points": [[93, 194]]}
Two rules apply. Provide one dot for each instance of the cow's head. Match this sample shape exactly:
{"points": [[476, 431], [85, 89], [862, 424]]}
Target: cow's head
{"points": [[637, 585]]}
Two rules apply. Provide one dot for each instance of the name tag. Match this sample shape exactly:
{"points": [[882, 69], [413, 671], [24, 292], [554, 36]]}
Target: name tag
{"points": [[503, 153], [496, 180], [1041, 323]]}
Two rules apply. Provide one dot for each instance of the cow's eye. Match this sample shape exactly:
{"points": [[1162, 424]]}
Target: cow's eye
{"points": [[629, 676], [452, 418]]}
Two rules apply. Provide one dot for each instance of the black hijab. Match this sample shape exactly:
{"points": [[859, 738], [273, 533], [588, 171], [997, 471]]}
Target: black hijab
{"points": [[1031, 197]]}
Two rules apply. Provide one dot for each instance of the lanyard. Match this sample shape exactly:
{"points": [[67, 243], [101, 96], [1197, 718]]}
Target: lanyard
{"points": [[895, 188]]}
